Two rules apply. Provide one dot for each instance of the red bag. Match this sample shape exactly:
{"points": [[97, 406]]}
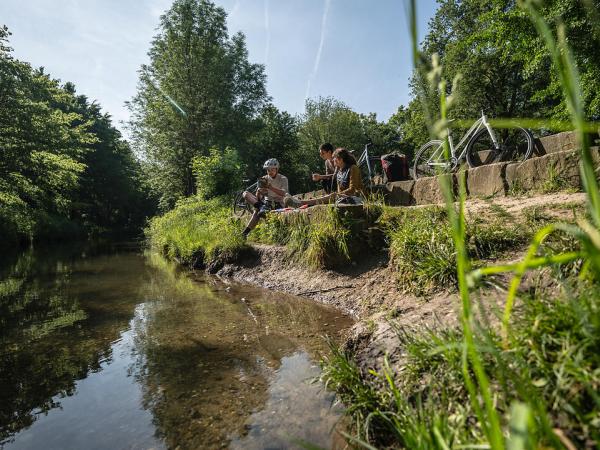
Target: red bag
{"points": [[395, 166]]}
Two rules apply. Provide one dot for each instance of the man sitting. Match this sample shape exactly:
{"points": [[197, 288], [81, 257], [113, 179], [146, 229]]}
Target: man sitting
{"points": [[327, 180], [272, 188]]}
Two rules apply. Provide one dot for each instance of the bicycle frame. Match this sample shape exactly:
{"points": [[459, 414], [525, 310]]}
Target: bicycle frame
{"points": [[364, 157], [478, 125]]}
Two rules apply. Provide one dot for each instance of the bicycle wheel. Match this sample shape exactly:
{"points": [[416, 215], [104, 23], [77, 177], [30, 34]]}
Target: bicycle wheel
{"points": [[515, 144], [430, 160], [481, 149], [240, 206]]}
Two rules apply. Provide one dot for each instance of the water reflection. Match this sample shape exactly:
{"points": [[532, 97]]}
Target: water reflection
{"points": [[207, 365], [141, 355]]}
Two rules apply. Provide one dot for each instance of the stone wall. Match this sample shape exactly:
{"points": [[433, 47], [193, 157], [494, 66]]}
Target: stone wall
{"points": [[556, 164]]}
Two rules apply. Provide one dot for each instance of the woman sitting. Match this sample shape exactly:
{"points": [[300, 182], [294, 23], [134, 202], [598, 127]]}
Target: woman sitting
{"points": [[349, 181]]}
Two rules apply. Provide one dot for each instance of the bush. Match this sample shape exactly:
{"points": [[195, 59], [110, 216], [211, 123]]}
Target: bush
{"points": [[218, 174], [196, 229]]}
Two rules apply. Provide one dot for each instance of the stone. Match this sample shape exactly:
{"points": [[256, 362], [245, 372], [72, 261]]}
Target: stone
{"points": [[560, 142], [535, 173], [429, 191], [400, 193], [486, 181]]}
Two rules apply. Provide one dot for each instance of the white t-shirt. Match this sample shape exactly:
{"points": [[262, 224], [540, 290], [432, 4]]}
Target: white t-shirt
{"points": [[279, 182]]}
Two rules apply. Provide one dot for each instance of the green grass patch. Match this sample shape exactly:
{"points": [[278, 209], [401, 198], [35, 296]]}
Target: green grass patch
{"points": [[324, 237], [422, 249], [196, 229], [553, 366]]}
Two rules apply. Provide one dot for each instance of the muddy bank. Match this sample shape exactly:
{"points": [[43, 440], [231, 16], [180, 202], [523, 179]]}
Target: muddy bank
{"points": [[367, 290]]}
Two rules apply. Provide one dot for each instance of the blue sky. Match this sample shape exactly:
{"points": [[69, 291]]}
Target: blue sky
{"points": [[361, 55]]}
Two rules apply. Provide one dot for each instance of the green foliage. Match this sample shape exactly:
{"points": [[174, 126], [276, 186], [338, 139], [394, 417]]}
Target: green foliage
{"points": [[219, 173], [197, 65], [504, 77], [196, 229], [553, 367], [63, 165], [276, 136], [321, 240]]}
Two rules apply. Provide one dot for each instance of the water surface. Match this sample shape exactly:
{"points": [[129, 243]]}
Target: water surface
{"points": [[112, 348]]}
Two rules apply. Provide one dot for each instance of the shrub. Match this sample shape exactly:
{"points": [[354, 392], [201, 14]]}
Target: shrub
{"points": [[218, 174], [196, 228]]}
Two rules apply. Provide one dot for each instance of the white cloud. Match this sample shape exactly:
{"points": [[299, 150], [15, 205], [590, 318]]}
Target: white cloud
{"points": [[315, 70], [267, 33]]}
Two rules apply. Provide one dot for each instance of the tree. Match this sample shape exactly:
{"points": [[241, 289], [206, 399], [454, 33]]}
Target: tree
{"points": [[199, 91], [63, 166], [275, 135]]}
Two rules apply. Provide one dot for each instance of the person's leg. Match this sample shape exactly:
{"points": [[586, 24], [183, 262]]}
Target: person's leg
{"points": [[259, 211], [252, 199], [252, 223]]}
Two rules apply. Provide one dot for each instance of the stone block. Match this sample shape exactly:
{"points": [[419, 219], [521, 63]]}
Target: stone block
{"points": [[486, 181], [560, 142], [400, 193], [561, 169], [428, 190]]}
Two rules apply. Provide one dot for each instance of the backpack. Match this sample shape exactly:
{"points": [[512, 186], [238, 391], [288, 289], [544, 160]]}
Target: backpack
{"points": [[395, 166]]}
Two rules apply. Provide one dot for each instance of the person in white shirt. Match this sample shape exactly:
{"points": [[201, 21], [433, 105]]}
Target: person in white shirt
{"points": [[272, 189]]}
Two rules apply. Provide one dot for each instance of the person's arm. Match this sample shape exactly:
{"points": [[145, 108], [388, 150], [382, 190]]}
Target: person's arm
{"points": [[280, 192], [355, 184]]}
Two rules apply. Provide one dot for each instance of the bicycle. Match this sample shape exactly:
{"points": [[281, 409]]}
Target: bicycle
{"points": [[240, 205], [368, 161], [481, 146]]}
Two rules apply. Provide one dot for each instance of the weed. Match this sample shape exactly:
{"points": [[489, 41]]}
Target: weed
{"points": [[500, 212], [516, 189], [554, 181]]}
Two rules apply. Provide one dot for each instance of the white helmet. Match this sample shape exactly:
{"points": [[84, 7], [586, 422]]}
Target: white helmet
{"points": [[270, 163]]}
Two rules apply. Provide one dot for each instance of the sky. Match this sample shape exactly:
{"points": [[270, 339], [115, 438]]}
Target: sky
{"points": [[357, 51]]}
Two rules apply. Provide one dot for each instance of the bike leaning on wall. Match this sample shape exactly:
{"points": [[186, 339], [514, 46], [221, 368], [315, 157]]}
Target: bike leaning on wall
{"points": [[480, 145]]}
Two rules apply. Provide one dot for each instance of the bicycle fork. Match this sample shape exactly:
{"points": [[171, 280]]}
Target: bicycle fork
{"points": [[491, 131]]}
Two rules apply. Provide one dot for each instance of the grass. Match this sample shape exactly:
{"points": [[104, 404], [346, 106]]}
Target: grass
{"points": [[422, 249], [326, 237], [555, 181], [196, 231], [551, 371]]}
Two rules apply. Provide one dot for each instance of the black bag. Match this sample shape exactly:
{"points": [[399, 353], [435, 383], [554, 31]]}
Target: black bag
{"points": [[395, 166]]}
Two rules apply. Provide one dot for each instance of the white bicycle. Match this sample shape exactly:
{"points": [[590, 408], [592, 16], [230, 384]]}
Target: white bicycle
{"points": [[480, 145]]}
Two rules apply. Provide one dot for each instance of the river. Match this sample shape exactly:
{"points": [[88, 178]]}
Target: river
{"points": [[109, 347]]}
